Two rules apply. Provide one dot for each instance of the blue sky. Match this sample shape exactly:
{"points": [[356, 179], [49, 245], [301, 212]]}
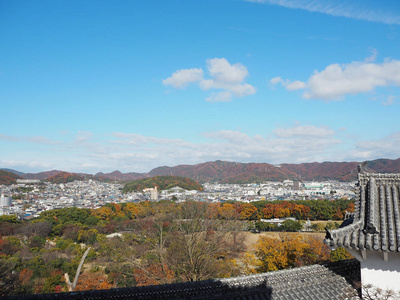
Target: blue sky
{"points": [[89, 86]]}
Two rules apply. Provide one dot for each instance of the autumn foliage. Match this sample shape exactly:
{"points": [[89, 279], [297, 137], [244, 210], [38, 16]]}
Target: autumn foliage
{"points": [[158, 243], [162, 183], [64, 177], [153, 275], [289, 250], [7, 178], [285, 209], [93, 281]]}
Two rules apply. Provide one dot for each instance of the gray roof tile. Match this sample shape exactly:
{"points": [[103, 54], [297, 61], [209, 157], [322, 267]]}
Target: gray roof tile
{"points": [[375, 224]]}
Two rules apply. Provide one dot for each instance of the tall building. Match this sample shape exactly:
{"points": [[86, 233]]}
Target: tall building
{"points": [[296, 185], [154, 194], [5, 201]]}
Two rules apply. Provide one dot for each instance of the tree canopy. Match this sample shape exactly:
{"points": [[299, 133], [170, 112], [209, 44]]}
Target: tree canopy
{"points": [[162, 183]]}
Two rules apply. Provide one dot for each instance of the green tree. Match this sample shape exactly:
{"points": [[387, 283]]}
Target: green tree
{"points": [[340, 254], [291, 225], [265, 226], [9, 279], [54, 280], [9, 219]]}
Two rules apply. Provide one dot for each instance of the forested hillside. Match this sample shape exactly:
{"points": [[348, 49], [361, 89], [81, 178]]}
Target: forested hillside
{"points": [[8, 177], [162, 183], [233, 172], [64, 177]]}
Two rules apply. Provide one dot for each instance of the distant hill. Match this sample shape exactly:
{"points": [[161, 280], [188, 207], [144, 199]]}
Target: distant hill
{"points": [[343, 171], [41, 175], [234, 172], [385, 165], [118, 176], [7, 178], [228, 172], [64, 177], [13, 171], [162, 183]]}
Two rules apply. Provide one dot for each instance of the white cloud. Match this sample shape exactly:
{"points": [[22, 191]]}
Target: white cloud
{"points": [[141, 140], [227, 79], [289, 85], [348, 9], [296, 144], [224, 96], [276, 80], [337, 81], [374, 55], [27, 166], [295, 85], [304, 130], [83, 136], [223, 72], [130, 152], [235, 137], [386, 147], [29, 139], [182, 78]]}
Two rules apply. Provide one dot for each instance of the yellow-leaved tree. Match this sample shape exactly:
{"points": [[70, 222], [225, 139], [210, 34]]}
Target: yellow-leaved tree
{"points": [[289, 250]]}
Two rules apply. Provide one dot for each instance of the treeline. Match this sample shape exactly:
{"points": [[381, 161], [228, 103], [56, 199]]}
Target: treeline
{"points": [[305, 209], [153, 243], [301, 210]]}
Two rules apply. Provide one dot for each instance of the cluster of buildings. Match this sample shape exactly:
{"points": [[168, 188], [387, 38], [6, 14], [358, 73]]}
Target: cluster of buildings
{"points": [[276, 190], [28, 198]]}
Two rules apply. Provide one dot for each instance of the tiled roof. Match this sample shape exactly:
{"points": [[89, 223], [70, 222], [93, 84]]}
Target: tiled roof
{"points": [[328, 281], [375, 224]]}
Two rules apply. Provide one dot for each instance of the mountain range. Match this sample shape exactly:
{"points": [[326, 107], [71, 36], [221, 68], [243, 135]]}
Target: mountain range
{"points": [[235, 172]]}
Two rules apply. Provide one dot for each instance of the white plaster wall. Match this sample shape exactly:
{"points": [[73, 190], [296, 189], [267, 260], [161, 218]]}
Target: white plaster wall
{"points": [[380, 273]]}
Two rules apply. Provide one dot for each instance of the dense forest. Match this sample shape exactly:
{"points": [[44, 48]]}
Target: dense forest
{"points": [[133, 244], [162, 183]]}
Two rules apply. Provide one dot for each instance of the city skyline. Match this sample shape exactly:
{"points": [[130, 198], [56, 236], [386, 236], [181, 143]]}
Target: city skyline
{"points": [[134, 85]]}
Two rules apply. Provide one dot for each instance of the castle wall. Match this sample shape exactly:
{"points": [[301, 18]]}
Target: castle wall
{"points": [[380, 273]]}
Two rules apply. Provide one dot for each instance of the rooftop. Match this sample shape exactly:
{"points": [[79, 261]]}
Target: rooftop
{"points": [[375, 224], [328, 281]]}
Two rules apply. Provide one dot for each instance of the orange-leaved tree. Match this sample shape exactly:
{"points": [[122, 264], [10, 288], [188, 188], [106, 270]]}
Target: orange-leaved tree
{"points": [[131, 210], [212, 210], [93, 281], [248, 211], [268, 211], [227, 211], [153, 275], [289, 250]]}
